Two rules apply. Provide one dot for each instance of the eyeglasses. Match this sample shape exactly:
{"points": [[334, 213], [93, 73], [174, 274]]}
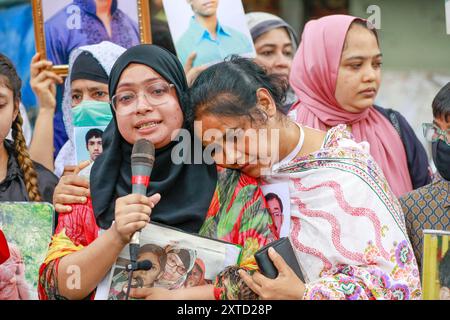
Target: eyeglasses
{"points": [[179, 269], [155, 94], [433, 133]]}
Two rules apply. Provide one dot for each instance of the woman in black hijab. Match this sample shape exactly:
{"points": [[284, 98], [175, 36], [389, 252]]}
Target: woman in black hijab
{"points": [[149, 97], [175, 182]]}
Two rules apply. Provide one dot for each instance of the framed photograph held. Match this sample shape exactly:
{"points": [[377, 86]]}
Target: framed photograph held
{"points": [[64, 25]]}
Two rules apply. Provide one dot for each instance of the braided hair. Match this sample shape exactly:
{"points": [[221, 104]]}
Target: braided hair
{"points": [[14, 83]]}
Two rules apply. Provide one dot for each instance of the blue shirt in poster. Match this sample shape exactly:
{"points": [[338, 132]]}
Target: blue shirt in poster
{"points": [[77, 25], [196, 38]]}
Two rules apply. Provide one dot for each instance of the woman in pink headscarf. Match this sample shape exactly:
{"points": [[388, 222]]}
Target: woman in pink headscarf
{"points": [[336, 75]]}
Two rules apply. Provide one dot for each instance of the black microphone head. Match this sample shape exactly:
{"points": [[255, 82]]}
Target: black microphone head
{"points": [[143, 153], [144, 265]]}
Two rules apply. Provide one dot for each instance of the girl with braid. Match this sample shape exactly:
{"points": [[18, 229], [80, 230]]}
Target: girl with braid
{"points": [[21, 179]]}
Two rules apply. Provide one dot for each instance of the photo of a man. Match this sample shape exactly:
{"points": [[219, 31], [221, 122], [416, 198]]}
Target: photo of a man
{"points": [[275, 207], [94, 143], [278, 204], [207, 36], [146, 278], [141, 278], [84, 22]]}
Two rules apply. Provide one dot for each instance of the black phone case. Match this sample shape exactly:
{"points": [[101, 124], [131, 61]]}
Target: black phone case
{"points": [[284, 248]]}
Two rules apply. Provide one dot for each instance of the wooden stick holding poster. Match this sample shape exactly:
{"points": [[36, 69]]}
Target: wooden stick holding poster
{"points": [[64, 25]]}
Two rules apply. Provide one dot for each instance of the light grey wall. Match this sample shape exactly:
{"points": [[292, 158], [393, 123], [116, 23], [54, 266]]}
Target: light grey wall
{"points": [[413, 33]]}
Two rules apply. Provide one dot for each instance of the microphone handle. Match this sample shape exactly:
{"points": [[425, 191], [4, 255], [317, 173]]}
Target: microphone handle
{"points": [[138, 189], [140, 180], [135, 238]]}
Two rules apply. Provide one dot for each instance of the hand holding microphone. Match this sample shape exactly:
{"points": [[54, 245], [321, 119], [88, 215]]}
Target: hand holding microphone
{"points": [[133, 211], [132, 214]]}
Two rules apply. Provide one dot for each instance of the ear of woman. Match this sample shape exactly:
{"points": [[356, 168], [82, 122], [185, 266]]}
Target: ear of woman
{"points": [[266, 102]]}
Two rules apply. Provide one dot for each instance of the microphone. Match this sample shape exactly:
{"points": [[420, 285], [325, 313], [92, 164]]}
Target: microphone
{"points": [[144, 265], [4, 249], [142, 159]]}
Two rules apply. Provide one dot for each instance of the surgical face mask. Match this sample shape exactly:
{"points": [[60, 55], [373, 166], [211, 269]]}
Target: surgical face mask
{"points": [[441, 158], [91, 113]]}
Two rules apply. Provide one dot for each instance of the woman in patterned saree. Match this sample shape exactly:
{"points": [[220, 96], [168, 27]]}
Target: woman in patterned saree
{"points": [[347, 227], [221, 204]]}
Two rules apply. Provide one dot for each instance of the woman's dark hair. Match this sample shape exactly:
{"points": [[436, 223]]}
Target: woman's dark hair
{"points": [[441, 103], [229, 89], [12, 81], [367, 25]]}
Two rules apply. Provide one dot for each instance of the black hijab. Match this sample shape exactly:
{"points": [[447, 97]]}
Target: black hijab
{"points": [[87, 67], [186, 189]]}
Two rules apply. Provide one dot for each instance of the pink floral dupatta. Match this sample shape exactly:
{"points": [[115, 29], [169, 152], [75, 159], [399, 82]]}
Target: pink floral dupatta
{"points": [[313, 78]]}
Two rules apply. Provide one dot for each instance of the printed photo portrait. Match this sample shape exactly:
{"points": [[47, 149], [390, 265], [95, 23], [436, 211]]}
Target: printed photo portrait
{"points": [[119, 283], [171, 259], [279, 206], [197, 276], [444, 277], [28, 229], [69, 24], [436, 265], [88, 143], [168, 267], [213, 29], [144, 278], [179, 263]]}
